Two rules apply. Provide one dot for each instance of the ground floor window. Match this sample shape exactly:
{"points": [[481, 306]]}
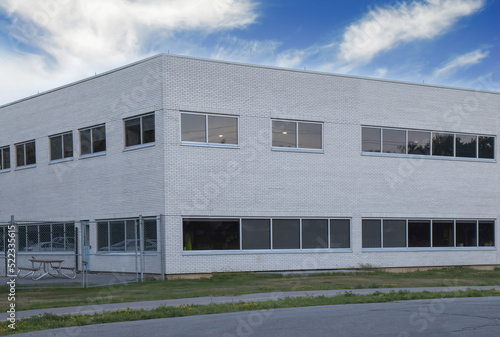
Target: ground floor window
{"points": [[46, 237], [394, 233], [276, 233], [122, 235]]}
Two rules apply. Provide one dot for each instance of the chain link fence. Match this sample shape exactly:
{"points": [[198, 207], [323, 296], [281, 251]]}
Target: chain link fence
{"points": [[74, 254]]}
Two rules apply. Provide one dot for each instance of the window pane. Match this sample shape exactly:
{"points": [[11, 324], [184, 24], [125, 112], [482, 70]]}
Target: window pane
{"points": [[394, 233], [465, 146], [340, 233], [371, 234], [256, 234], [419, 142], [57, 237], [442, 144], [85, 147], [442, 233], [419, 233], [20, 155], [3, 231], [102, 236], [211, 234], [466, 234], [117, 236], [193, 128], [30, 153], [284, 134], [56, 148], [314, 233], [68, 145], [22, 237], [133, 132], [5, 164], [486, 147], [486, 233], [70, 237], [222, 130], [148, 129], [394, 141], [32, 238], [286, 234], [370, 139], [150, 241], [98, 139], [310, 135]]}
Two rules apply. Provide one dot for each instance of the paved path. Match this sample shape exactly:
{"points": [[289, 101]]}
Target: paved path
{"points": [[464, 317], [148, 305]]}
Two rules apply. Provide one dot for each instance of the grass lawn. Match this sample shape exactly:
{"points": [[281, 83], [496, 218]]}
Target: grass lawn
{"points": [[244, 283]]}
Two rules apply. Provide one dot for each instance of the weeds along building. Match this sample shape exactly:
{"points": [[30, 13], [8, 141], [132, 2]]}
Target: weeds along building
{"points": [[237, 167]]}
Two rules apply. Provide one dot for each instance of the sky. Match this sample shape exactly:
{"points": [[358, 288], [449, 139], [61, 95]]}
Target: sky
{"points": [[48, 43]]}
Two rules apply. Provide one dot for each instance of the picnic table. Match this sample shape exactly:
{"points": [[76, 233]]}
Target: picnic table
{"points": [[43, 267]]}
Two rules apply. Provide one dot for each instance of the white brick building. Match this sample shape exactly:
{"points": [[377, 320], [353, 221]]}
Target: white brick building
{"points": [[259, 168]]}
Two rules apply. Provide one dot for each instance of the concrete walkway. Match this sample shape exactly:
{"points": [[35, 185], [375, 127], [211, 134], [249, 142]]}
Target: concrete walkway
{"points": [[149, 305]]}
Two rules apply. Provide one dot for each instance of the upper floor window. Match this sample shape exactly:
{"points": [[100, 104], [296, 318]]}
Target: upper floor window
{"points": [[200, 128], [297, 135], [426, 143], [93, 140], [5, 158], [140, 130], [25, 154], [61, 146]]}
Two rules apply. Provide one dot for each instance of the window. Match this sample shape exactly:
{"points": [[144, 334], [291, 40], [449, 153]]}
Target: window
{"points": [[340, 233], [5, 158], [209, 129], [61, 146], [47, 237], [140, 130], [419, 142], [314, 233], [442, 144], [25, 154], [123, 235], [466, 234], [211, 234], [443, 233], [256, 233], [394, 233], [466, 146], [394, 141], [92, 140], [419, 233], [286, 234], [370, 139], [3, 236], [371, 235], [486, 233], [486, 147], [297, 135]]}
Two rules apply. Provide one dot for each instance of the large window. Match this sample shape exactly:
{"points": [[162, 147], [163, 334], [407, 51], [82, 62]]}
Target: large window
{"points": [[426, 143], [25, 154], [140, 130], [5, 158], [392, 233], [200, 128], [123, 235], [297, 135], [92, 140], [47, 237], [61, 146], [252, 234]]}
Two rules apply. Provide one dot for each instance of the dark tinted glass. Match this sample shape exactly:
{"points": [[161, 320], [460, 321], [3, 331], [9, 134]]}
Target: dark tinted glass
{"points": [[284, 134], [102, 236], [394, 141], [466, 234], [256, 234], [370, 139], [340, 233], [193, 128], [99, 139], [211, 234], [371, 234], [222, 130], [419, 142], [465, 146], [443, 234], [56, 148], [22, 237], [5, 156], [150, 240], [133, 132], [30, 153], [442, 144], [148, 129], [486, 147], [394, 233], [286, 234], [20, 155], [68, 145], [314, 233], [419, 233], [310, 136], [486, 233], [117, 235]]}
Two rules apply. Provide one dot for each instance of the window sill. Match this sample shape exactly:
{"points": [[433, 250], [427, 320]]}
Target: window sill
{"points": [[266, 251], [429, 249], [5, 170], [420, 156], [291, 149], [57, 161], [25, 167], [72, 252], [92, 155], [227, 146], [126, 253], [137, 147]]}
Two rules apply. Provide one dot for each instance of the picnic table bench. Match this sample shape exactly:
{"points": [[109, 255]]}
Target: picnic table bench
{"points": [[43, 267]]}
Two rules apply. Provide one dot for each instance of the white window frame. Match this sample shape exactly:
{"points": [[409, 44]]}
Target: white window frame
{"points": [[125, 252], [142, 144], [25, 166], [297, 148], [92, 153], [206, 143], [2, 155], [62, 159]]}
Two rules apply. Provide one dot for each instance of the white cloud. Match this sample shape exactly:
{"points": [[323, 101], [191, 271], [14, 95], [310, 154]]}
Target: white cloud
{"points": [[235, 49], [384, 28], [72, 36], [465, 60]]}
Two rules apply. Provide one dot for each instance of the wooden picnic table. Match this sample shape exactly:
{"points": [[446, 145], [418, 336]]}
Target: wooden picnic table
{"points": [[52, 267]]}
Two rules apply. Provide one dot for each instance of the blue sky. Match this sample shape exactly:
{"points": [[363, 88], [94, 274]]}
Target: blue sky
{"points": [[45, 44]]}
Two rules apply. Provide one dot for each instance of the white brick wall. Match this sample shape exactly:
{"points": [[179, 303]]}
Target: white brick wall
{"points": [[253, 180]]}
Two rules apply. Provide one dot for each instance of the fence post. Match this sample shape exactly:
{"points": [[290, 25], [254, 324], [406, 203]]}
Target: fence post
{"points": [[141, 242], [161, 242]]}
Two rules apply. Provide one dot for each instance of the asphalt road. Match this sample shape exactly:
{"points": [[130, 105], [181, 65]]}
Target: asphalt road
{"points": [[478, 317]]}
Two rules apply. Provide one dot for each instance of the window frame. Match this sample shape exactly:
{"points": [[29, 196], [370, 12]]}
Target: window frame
{"points": [[206, 143], [63, 158], [23, 144], [92, 152], [125, 251], [297, 148], [2, 159], [22, 251], [141, 125]]}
